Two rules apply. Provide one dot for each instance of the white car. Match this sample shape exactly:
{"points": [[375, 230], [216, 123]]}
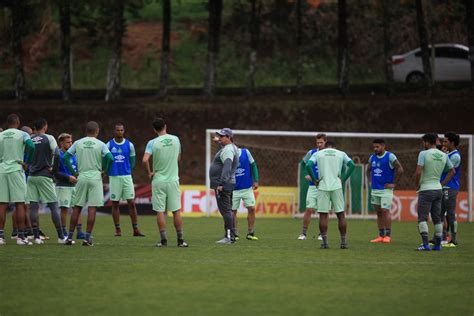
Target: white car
{"points": [[451, 64]]}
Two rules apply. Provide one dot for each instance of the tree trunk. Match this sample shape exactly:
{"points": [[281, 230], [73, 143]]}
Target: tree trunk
{"points": [[165, 48], [17, 50], [113, 72], [299, 40], [343, 48], [215, 15], [254, 40], [470, 35], [387, 44], [425, 51], [65, 54]]}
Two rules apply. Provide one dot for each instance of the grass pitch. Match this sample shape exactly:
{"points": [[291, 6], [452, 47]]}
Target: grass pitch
{"points": [[275, 275]]}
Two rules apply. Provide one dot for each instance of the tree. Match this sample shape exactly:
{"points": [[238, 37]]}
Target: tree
{"points": [[424, 44], [114, 68], [17, 13], [165, 48], [343, 48], [470, 34], [386, 10], [65, 47], [299, 39], [254, 41], [215, 16]]}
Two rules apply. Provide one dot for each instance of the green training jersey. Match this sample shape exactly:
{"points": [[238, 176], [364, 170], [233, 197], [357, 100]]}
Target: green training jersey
{"points": [[434, 162], [165, 150], [12, 149], [89, 152], [330, 162]]}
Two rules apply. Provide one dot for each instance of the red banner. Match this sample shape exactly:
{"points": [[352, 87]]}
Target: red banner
{"points": [[404, 206]]}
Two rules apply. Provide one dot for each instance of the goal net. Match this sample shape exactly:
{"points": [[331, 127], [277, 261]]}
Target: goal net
{"points": [[282, 191]]}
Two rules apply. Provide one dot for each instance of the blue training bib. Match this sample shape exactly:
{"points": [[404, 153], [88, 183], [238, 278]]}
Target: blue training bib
{"points": [[381, 171], [121, 153], [455, 182], [243, 175], [315, 168]]}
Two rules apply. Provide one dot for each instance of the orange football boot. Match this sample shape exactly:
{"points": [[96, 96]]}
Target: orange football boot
{"points": [[378, 239]]}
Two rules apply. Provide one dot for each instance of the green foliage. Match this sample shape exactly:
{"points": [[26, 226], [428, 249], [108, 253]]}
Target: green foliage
{"points": [[277, 275], [276, 64], [181, 11]]}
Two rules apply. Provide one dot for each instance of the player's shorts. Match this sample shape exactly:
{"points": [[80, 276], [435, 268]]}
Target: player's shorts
{"points": [[448, 204], [88, 191], [311, 197], [245, 195], [326, 199], [12, 187], [382, 197], [65, 195], [166, 196], [41, 189], [121, 188]]}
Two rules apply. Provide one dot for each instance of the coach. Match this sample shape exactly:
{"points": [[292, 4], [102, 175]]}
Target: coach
{"points": [[222, 176]]}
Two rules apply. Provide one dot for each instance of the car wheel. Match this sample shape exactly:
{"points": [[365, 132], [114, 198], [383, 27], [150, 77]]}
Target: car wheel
{"points": [[415, 77]]}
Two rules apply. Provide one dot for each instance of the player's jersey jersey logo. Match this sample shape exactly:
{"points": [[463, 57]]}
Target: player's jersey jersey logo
{"points": [[120, 158], [378, 172], [8, 134], [115, 150], [89, 144], [166, 142], [240, 172], [437, 156], [37, 139]]}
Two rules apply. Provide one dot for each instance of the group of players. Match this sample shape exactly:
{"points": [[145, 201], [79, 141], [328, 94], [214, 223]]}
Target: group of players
{"points": [[34, 170], [437, 179]]}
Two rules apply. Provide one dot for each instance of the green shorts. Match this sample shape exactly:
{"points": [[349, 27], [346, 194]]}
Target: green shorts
{"points": [[88, 191], [121, 188], [13, 187], [327, 198], [245, 195], [166, 196], [40, 189], [311, 197], [382, 198], [65, 195]]}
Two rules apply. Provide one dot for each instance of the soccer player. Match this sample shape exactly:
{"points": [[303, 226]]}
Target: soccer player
{"points": [[334, 168], [166, 195], [311, 203], [40, 184], [28, 228], [451, 189], [222, 176], [89, 152], [246, 181], [120, 178], [12, 177], [66, 182], [384, 173], [432, 162]]}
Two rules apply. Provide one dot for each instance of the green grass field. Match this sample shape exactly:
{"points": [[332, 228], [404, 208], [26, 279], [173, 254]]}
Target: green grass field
{"points": [[275, 275]]}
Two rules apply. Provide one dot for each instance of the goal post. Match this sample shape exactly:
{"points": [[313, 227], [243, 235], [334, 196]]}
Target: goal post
{"points": [[278, 155]]}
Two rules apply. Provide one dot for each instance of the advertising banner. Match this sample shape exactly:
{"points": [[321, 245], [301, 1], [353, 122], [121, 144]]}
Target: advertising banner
{"points": [[275, 202], [270, 201]]}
